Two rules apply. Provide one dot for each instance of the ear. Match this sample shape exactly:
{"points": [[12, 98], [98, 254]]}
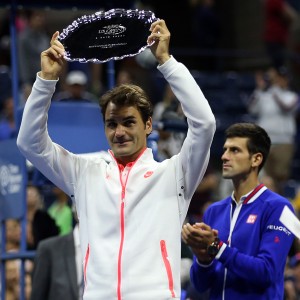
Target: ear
{"points": [[148, 126], [257, 159]]}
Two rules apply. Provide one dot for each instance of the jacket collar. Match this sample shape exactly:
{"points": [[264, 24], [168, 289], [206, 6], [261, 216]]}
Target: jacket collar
{"points": [[144, 156], [252, 195]]}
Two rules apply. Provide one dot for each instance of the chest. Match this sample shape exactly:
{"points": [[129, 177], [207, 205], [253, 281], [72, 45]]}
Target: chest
{"points": [[241, 227]]}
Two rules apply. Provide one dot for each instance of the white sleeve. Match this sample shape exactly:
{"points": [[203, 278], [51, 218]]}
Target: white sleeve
{"points": [[56, 163], [194, 154]]}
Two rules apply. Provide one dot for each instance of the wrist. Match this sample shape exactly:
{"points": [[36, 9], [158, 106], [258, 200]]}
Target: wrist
{"points": [[214, 247], [48, 76], [161, 60], [204, 262]]}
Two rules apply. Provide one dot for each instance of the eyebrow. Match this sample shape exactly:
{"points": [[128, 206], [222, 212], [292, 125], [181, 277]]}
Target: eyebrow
{"points": [[123, 120], [232, 147]]}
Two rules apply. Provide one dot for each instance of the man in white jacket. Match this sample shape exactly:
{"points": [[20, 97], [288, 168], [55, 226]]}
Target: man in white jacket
{"points": [[132, 208]]}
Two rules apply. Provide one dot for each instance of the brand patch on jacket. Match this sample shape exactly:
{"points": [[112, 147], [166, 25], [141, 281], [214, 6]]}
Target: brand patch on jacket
{"points": [[276, 239], [148, 174], [251, 219], [279, 228]]}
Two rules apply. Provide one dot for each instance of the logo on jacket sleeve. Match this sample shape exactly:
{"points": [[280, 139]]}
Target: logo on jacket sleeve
{"points": [[278, 228], [148, 174], [251, 219], [276, 239]]}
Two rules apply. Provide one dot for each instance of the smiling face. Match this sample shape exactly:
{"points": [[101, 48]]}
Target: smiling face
{"points": [[126, 132], [238, 163]]}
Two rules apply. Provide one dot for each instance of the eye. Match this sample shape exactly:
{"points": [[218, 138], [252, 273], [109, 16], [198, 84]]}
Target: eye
{"points": [[111, 124], [129, 123]]}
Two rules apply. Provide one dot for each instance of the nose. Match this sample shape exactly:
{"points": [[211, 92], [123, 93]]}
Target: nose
{"points": [[120, 130], [224, 156]]}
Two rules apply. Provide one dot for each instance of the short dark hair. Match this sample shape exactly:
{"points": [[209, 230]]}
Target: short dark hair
{"points": [[128, 95], [258, 139]]}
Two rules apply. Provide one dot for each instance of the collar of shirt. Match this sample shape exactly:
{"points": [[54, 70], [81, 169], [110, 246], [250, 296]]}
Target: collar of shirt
{"points": [[252, 195]]}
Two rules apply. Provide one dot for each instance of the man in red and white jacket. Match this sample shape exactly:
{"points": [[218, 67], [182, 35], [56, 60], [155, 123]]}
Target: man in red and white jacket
{"points": [[131, 209]]}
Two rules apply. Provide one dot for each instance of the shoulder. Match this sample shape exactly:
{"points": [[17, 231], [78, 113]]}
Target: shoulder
{"points": [[273, 198], [274, 201], [100, 156], [54, 242], [219, 205], [98, 160]]}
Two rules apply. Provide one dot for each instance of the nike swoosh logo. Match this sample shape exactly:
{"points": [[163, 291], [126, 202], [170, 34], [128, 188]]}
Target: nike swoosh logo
{"points": [[148, 174]]}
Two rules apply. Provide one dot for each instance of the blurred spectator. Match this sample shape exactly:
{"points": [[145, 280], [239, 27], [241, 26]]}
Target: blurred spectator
{"points": [[93, 72], [5, 83], [169, 109], [269, 182], [275, 105], [124, 77], [12, 273], [76, 88], [292, 278], [31, 42], [61, 212], [13, 235], [12, 279], [58, 269], [279, 16], [5, 39], [296, 201], [39, 223], [5, 69], [168, 99], [295, 52], [28, 286], [289, 286], [96, 79], [7, 121]]}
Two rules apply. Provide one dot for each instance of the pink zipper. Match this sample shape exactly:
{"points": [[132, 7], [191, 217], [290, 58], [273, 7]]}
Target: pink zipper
{"points": [[122, 224], [167, 266], [122, 229], [120, 252]]}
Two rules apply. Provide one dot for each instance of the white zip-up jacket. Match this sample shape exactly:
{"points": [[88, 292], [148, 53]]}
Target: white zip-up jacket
{"points": [[130, 219]]}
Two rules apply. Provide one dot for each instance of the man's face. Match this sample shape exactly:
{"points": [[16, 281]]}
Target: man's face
{"points": [[237, 162], [13, 231], [12, 273], [76, 90], [126, 132]]}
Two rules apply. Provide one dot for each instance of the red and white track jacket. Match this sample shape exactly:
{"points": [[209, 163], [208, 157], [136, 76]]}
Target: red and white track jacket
{"points": [[129, 220]]}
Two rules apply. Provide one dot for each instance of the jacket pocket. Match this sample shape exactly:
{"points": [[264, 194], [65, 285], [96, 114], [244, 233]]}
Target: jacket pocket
{"points": [[165, 257]]}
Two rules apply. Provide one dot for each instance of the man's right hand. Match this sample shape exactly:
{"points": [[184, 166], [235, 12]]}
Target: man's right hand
{"points": [[198, 237], [52, 59]]}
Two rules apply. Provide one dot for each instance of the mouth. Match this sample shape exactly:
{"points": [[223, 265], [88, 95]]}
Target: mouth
{"points": [[226, 166], [121, 143]]}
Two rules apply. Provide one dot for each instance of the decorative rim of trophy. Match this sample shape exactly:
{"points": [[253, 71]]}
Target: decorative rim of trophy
{"points": [[110, 35]]}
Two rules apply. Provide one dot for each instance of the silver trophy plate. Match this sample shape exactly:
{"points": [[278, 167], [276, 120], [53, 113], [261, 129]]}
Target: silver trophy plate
{"points": [[103, 36]]}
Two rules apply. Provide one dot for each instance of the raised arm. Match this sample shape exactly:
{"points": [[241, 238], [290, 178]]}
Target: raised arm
{"points": [[194, 155], [33, 140]]}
